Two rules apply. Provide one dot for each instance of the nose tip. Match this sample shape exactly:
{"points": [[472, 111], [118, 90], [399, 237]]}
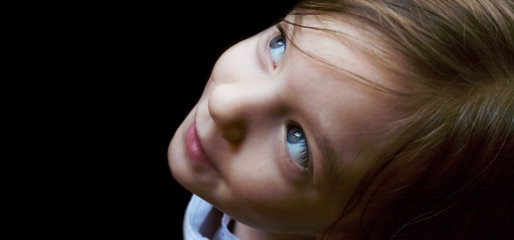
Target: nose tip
{"points": [[226, 107]]}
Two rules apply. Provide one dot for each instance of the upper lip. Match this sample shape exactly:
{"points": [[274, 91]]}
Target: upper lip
{"points": [[200, 140]]}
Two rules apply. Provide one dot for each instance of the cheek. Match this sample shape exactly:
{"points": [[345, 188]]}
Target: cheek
{"points": [[264, 198], [258, 177]]}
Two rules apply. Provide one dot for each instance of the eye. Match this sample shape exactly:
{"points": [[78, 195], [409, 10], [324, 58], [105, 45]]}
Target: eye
{"points": [[297, 146], [277, 46]]}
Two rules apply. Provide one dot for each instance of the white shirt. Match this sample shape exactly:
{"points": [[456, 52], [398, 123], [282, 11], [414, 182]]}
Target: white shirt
{"points": [[204, 222]]}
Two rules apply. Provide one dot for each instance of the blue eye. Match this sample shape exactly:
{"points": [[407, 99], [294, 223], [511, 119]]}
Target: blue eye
{"points": [[277, 47], [297, 146]]}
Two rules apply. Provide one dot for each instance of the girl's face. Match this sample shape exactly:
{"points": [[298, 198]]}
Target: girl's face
{"points": [[279, 140]]}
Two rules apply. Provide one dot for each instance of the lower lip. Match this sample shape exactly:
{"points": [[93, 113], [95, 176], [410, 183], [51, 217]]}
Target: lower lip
{"points": [[194, 147]]}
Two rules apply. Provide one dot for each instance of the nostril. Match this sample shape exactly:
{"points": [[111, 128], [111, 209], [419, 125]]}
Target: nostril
{"points": [[233, 133]]}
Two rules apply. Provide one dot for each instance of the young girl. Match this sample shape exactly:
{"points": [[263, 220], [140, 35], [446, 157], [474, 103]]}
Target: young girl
{"points": [[357, 120]]}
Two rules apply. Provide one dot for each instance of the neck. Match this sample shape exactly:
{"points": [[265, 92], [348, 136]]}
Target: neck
{"points": [[248, 233]]}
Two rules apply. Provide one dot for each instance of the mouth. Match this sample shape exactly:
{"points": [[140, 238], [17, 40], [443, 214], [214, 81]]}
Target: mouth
{"points": [[194, 146]]}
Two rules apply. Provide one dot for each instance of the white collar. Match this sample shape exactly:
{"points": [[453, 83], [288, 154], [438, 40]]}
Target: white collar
{"points": [[200, 217]]}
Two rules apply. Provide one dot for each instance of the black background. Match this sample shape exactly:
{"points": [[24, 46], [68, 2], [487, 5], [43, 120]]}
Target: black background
{"points": [[119, 78]]}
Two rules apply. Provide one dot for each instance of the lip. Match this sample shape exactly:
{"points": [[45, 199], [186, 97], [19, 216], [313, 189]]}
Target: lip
{"points": [[194, 146]]}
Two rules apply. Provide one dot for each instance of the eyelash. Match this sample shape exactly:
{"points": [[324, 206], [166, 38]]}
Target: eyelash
{"points": [[302, 155], [280, 31]]}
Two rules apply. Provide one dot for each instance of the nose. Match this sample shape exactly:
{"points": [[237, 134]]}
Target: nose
{"points": [[237, 107]]}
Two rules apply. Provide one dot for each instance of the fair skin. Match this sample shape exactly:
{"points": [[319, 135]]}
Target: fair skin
{"points": [[246, 159]]}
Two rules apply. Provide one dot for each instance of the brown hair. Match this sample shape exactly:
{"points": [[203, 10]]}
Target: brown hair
{"points": [[447, 170]]}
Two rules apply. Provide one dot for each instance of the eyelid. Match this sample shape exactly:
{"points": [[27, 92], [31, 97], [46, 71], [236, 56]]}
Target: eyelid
{"points": [[281, 30]]}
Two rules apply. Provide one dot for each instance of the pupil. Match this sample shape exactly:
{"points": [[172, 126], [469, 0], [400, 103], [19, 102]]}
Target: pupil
{"points": [[277, 42], [298, 134]]}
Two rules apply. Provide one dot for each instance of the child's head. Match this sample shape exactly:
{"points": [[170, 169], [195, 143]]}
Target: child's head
{"points": [[366, 119]]}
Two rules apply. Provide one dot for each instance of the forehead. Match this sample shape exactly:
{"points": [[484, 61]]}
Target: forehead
{"points": [[347, 50]]}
